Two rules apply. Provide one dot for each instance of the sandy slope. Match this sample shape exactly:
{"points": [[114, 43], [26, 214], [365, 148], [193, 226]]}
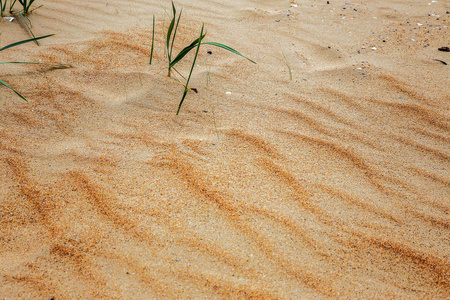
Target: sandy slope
{"points": [[335, 184]]}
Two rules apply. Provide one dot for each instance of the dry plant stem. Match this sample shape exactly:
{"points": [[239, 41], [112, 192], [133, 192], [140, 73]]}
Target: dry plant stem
{"points": [[285, 62], [138, 72], [288, 66], [215, 124], [208, 76]]}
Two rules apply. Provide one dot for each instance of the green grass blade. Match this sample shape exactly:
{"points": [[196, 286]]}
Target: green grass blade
{"points": [[18, 94], [26, 5], [170, 29], [186, 88], [228, 48], [25, 41], [2, 7], [175, 32], [11, 5], [182, 100], [174, 11], [29, 29], [56, 66], [23, 5], [153, 40], [185, 51]]}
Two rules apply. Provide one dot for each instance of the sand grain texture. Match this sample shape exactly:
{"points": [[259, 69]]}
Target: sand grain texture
{"points": [[335, 184]]}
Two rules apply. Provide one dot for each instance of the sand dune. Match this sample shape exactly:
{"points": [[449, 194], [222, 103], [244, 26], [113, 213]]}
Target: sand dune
{"points": [[334, 184]]}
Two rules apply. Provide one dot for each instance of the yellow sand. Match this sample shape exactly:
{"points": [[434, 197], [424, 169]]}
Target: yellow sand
{"points": [[334, 184]]}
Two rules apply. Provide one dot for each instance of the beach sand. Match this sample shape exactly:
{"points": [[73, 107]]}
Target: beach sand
{"points": [[334, 184]]}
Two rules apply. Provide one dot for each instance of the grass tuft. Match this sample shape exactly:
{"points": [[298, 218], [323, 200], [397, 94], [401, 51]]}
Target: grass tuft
{"points": [[25, 5], [170, 41]]}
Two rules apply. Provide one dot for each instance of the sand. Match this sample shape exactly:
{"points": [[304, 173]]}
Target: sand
{"points": [[334, 184]]}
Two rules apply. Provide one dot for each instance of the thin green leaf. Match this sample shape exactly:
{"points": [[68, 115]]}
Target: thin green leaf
{"points": [[169, 31], [29, 29], [228, 48], [26, 5], [36, 63], [175, 32], [2, 7], [153, 40], [11, 5], [185, 51], [182, 100], [25, 41], [174, 10], [18, 94], [186, 88]]}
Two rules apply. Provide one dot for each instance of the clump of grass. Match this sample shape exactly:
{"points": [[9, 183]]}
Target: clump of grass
{"points": [[173, 60], [25, 11], [25, 5], [21, 62]]}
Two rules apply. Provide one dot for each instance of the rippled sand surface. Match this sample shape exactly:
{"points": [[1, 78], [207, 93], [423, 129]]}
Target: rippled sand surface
{"points": [[334, 184]]}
